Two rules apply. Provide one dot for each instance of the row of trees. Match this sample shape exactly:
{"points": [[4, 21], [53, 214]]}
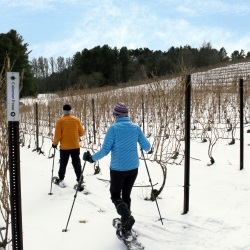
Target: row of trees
{"points": [[104, 65], [112, 66]]}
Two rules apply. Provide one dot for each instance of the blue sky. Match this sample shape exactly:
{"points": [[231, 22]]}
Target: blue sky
{"points": [[64, 27]]}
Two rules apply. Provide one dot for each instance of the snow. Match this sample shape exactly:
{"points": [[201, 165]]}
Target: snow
{"points": [[218, 216]]}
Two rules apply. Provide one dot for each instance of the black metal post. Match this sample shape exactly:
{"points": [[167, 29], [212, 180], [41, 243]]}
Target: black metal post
{"points": [[49, 119], [15, 185], [143, 115], [93, 116], [219, 104], [37, 128], [187, 144], [241, 90]]}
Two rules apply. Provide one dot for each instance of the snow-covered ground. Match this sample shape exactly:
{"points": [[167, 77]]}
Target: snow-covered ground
{"points": [[218, 217]]}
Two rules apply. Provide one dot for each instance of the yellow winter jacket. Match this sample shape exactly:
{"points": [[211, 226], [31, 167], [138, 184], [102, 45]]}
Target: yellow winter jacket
{"points": [[68, 132]]}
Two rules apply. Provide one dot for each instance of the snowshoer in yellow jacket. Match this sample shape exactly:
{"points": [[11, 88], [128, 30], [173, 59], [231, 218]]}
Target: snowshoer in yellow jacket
{"points": [[68, 132]]}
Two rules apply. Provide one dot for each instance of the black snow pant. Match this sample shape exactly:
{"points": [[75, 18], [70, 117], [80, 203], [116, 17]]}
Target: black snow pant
{"points": [[121, 184], [76, 162]]}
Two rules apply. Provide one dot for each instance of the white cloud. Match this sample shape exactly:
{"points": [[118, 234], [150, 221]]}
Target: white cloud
{"points": [[26, 4], [208, 7]]}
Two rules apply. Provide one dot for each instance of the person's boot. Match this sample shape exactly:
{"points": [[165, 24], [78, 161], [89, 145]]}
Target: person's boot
{"points": [[81, 180], [62, 184], [127, 219], [59, 182], [79, 186], [128, 222], [122, 233]]}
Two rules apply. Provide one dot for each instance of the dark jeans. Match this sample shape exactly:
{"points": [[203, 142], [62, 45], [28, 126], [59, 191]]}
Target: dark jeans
{"points": [[121, 184], [76, 162]]}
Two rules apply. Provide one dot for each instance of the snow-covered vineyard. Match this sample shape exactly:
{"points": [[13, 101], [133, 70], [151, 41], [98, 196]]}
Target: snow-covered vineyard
{"points": [[157, 107], [224, 75], [219, 192]]}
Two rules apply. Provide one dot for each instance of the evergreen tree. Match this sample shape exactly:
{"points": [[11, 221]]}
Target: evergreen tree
{"points": [[236, 55], [124, 59], [223, 55], [12, 44]]}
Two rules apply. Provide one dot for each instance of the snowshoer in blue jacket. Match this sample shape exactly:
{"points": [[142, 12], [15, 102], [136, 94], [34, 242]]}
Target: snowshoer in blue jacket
{"points": [[122, 139]]}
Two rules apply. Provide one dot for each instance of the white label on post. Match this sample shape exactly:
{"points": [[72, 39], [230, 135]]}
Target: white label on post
{"points": [[12, 96]]}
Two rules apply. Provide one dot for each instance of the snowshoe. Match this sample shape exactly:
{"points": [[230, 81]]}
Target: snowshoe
{"points": [[79, 187], [128, 237], [58, 182]]}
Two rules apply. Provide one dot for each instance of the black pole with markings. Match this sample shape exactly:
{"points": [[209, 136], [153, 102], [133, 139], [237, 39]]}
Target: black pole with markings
{"points": [[15, 186], [14, 159]]}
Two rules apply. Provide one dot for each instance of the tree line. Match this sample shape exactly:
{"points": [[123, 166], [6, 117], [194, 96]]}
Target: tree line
{"points": [[104, 66]]}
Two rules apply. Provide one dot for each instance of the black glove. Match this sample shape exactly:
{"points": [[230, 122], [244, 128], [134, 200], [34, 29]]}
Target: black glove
{"points": [[87, 157], [54, 146]]}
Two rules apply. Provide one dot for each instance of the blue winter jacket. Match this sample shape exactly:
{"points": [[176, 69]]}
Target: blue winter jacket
{"points": [[121, 139]]}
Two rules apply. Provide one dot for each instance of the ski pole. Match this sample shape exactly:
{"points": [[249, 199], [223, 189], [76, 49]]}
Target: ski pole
{"points": [[79, 184], [151, 185], [50, 193]]}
